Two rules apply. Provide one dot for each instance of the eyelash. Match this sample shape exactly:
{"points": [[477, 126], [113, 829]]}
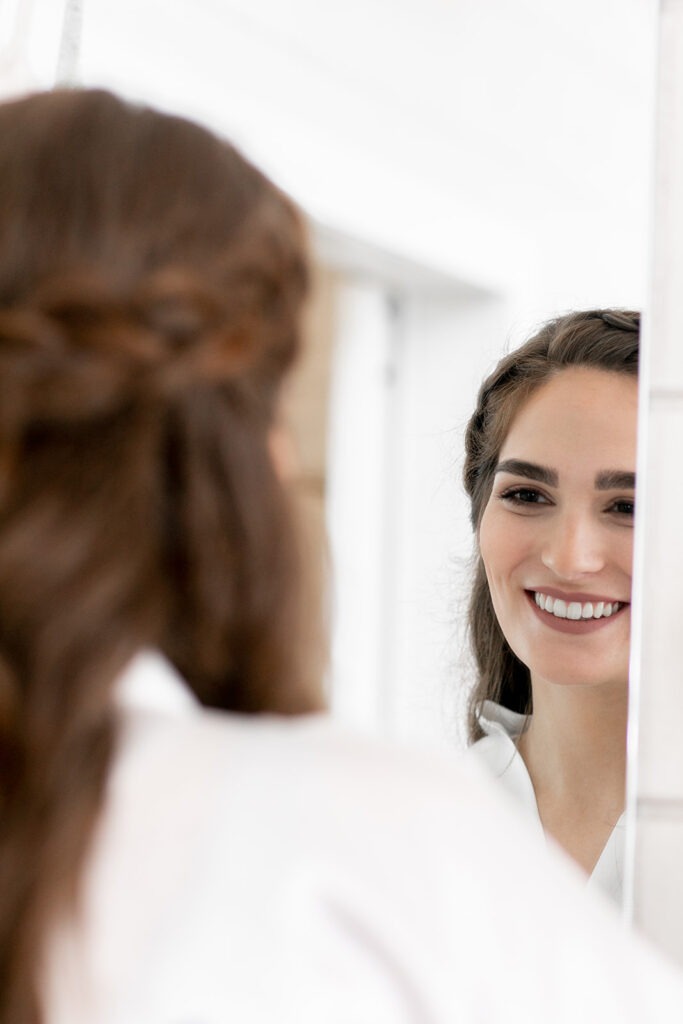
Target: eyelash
{"points": [[631, 504], [513, 496]]}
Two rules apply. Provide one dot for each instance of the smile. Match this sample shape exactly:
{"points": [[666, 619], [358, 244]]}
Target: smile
{"points": [[578, 618], [576, 610]]}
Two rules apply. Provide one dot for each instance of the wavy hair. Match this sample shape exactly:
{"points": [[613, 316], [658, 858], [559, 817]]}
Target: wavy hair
{"points": [[151, 282], [603, 339]]}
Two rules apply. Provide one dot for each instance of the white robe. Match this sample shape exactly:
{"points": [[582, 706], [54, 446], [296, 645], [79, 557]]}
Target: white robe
{"points": [[497, 752], [258, 870]]}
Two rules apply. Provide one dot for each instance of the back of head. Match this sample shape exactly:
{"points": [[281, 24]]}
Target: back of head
{"points": [[603, 339], [151, 281]]}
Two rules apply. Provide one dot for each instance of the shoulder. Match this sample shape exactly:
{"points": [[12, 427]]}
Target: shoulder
{"points": [[230, 842], [379, 869], [291, 770], [169, 741], [371, 881]]}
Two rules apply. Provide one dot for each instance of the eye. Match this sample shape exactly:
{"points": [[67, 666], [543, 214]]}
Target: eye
{"points": [[623, 507], [521, 496]]}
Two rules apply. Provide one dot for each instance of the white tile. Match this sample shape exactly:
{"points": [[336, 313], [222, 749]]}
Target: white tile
{"points": [[665, 353], [658, 888], [660, 664], [664, 331]]}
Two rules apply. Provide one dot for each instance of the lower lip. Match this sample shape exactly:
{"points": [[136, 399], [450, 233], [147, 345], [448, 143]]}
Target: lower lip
{"points": [[575, 626]]}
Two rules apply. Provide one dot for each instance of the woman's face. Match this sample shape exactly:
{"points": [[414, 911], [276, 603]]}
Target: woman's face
{"points": [[556, 536]]}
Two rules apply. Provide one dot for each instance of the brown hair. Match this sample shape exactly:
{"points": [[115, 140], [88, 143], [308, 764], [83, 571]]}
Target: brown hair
{"points": [[602, 339], [150, 288]]}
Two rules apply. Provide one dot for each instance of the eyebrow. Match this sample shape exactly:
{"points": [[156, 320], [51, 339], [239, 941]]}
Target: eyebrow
{"points": [[615, 480], [605, 480], [518, 467]]}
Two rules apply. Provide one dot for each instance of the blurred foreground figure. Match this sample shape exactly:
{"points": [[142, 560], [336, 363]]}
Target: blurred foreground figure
{"points": [[163, 859]]}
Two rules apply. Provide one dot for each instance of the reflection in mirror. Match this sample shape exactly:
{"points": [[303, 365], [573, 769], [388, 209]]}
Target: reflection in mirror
{"points": [[489, 187], [550, 472], [451, 207]]}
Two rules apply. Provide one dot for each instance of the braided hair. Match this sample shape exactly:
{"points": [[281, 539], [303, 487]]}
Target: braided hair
{"points": [[604, 339], [151, 282]]}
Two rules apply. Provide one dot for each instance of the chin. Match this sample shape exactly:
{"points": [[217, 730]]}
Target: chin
{"points": [[580, 679]]}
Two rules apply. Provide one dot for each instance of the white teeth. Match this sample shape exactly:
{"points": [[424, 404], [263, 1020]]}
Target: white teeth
{"points": [[575, 610]]}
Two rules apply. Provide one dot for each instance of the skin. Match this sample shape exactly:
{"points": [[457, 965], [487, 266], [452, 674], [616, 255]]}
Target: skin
{"points": [[569, 534]]}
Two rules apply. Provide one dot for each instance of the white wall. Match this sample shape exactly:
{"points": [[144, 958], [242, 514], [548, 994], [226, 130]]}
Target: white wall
{"points": [[356, 501], [30, 43], [505, 142], [449, 342]]}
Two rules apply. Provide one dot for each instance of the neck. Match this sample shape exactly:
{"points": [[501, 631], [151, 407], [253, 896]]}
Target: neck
{"points": [[575, 746]]}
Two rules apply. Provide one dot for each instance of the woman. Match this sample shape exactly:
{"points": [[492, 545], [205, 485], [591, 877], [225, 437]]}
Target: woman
{"points": [[164, 862], [150, 287], [550, 472]]}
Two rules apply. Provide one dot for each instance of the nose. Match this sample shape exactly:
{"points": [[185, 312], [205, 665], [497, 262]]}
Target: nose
{"points": [[574, 546]]}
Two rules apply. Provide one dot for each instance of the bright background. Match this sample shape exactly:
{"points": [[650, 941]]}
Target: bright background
{"points": [[469, 168]]}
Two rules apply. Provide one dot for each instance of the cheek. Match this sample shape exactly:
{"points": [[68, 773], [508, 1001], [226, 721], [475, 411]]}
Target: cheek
{"points": [[626, 554], [486, 542], [496, 542], [624, 561], [507, 543], [498, 560]]}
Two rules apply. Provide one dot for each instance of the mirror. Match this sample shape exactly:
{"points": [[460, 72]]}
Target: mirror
{"points": [[469, 170]]}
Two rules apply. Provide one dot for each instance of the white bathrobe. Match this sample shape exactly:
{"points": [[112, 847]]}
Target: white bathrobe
{"points": [[253, 870], [497, 752]]}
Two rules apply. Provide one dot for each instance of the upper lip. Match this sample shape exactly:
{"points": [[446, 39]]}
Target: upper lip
{"points": [[578, 595]]}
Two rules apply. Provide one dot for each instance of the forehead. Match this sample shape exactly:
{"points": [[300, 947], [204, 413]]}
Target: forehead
{"points": [[582, 417]]}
